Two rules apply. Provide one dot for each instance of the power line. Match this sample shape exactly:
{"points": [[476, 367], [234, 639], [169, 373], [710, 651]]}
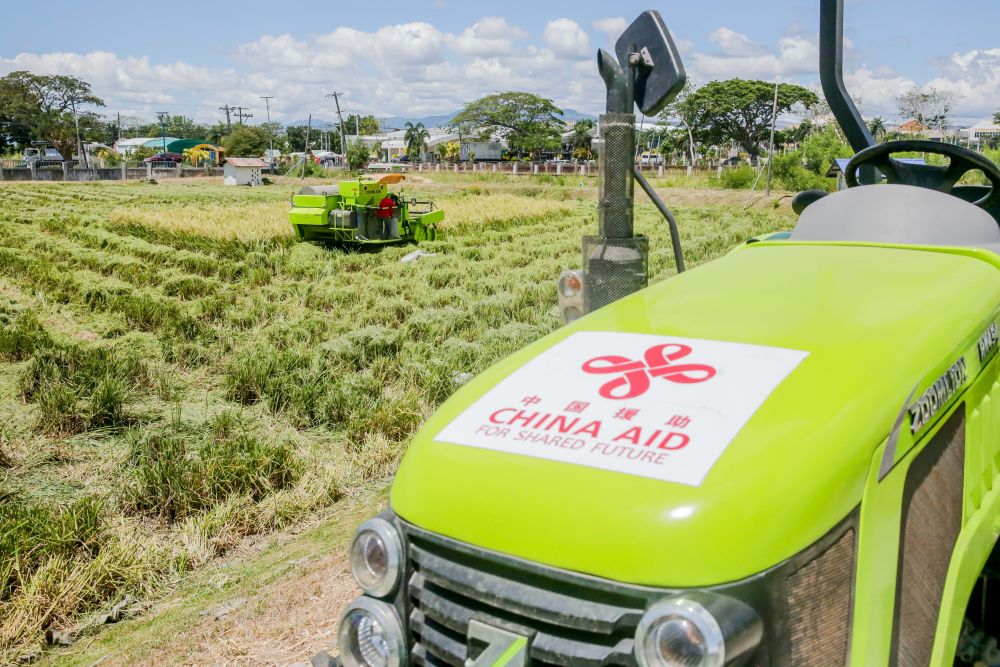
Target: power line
{"points": [[229, 125], [343, 137], [162, 116], [242, 112], [270, 135]]}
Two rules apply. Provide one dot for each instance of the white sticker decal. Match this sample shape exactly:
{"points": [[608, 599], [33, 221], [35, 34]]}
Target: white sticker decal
{"points": [[653, 406]]}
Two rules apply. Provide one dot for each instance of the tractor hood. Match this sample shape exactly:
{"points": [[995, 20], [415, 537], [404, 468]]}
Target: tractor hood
{"points": [[706, 428]]}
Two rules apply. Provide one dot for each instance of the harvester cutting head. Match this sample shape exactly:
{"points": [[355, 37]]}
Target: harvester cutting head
{"points": [[362, 212]]}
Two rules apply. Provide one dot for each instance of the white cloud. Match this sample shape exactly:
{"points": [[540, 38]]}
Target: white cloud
{"points": [[613, 27], [736, 44], [740, 57], [973, 78], [491, 36], [416, 69], [566, 38], [877, 89]]}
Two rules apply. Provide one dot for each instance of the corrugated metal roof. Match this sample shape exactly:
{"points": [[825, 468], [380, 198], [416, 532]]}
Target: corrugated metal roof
{"points": [[246, 162]]}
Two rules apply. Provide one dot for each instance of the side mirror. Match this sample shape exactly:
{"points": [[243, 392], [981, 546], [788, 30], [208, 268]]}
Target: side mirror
{"points": [[804, 199], [647, 48]]}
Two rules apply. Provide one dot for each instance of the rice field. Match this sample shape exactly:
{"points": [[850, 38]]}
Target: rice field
{"points": [[178, 375]]}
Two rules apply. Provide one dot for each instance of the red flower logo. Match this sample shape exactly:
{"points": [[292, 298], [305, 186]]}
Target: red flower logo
{"points": [[658, 362]]}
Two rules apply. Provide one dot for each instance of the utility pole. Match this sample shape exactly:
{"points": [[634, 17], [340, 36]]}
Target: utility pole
{"points": [[162, 115], [79, 141], [770, 149], [270, 135], [229, 125], [343, 137], [242, 112], [305, 151]]}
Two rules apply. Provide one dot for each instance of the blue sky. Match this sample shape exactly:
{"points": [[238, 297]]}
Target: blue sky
{"points": [[422, 57]]}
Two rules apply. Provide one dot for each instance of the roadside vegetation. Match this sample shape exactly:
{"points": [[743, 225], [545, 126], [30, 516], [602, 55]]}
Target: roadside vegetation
{"points": [[178, 375]]}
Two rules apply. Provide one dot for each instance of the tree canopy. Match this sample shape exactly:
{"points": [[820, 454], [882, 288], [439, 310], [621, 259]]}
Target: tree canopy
{"points": [[366, 125], [530, 123], [35, 107], [416, 136], [928, 107], [245, 141], [740, 110]]}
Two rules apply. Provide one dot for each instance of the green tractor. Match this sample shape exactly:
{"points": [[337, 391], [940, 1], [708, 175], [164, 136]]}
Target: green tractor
{"points": [[788, 457], [362, 213]]}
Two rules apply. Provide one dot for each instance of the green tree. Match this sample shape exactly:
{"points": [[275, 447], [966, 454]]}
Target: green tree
{"points": [[450, 151], [996, 117], [416, 136], [357, 155], [581, 138], [178, 126], [295, 138], [365, 125], [877, 127], [34, 107], [795, 134], [740, 110], [821, 148], [681, 109], [928, 107], [530, 123], [245, 141]]}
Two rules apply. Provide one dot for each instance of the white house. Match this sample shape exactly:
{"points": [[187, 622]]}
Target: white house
{"points": [[243, 171], [983, 131]]}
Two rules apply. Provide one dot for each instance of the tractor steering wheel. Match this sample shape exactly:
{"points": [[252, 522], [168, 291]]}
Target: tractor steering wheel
{"points": [[942, 179]]}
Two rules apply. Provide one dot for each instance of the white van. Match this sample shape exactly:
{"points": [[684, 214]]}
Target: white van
{"points": [[650, 159]]}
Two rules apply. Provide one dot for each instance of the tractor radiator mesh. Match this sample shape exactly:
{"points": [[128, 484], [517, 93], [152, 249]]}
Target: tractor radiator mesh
{"points": [[615, 162], [932, 519], [613, 268], [819, 606]]}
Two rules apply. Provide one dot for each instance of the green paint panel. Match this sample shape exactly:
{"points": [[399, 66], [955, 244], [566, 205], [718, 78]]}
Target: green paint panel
{"points": [[876, 321]]}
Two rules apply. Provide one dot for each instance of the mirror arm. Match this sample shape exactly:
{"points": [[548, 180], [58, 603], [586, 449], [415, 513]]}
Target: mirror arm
{"points": [[675, 235]]}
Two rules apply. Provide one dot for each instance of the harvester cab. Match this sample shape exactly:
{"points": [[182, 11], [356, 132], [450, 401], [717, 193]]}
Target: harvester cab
{"points": [[786, 457], [362, 212]]}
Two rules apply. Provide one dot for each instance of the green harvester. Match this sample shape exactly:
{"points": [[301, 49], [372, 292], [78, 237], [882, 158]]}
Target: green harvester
{"points": [[362, 212]]}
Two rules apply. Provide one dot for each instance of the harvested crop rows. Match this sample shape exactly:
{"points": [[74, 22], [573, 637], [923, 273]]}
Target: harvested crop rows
{"points": [[176, 373]]}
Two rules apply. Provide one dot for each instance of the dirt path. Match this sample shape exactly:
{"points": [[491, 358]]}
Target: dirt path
{"points": [[284, 623], [283, 595]]}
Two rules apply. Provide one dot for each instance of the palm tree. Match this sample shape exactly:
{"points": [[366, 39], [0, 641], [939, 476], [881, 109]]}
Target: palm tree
{"points": [[416, 136], [996, 118], [877, 127]]}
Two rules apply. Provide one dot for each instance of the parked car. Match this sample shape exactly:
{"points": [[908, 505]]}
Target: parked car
{"points": [[650, 159], [734, 161], [47, 154], [165, 157]]}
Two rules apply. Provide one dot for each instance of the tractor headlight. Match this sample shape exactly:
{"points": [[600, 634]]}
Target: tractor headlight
{"points": [[371, 635], [376, 557], [705, 632], [570, 292], [570, 283]]}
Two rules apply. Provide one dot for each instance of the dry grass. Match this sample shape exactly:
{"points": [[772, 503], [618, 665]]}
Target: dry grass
{"points": [[491, 211], [225, 222]]}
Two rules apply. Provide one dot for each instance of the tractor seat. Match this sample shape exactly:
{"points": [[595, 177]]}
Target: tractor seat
{"points": [[898, 214]]}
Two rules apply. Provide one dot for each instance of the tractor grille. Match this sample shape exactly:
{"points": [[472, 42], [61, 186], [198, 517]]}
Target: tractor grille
{"points": [[819, 606], [572, 619]]}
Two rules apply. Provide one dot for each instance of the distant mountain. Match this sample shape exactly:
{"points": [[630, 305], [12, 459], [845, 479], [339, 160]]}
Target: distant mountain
{"points": [[438, 120]]}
